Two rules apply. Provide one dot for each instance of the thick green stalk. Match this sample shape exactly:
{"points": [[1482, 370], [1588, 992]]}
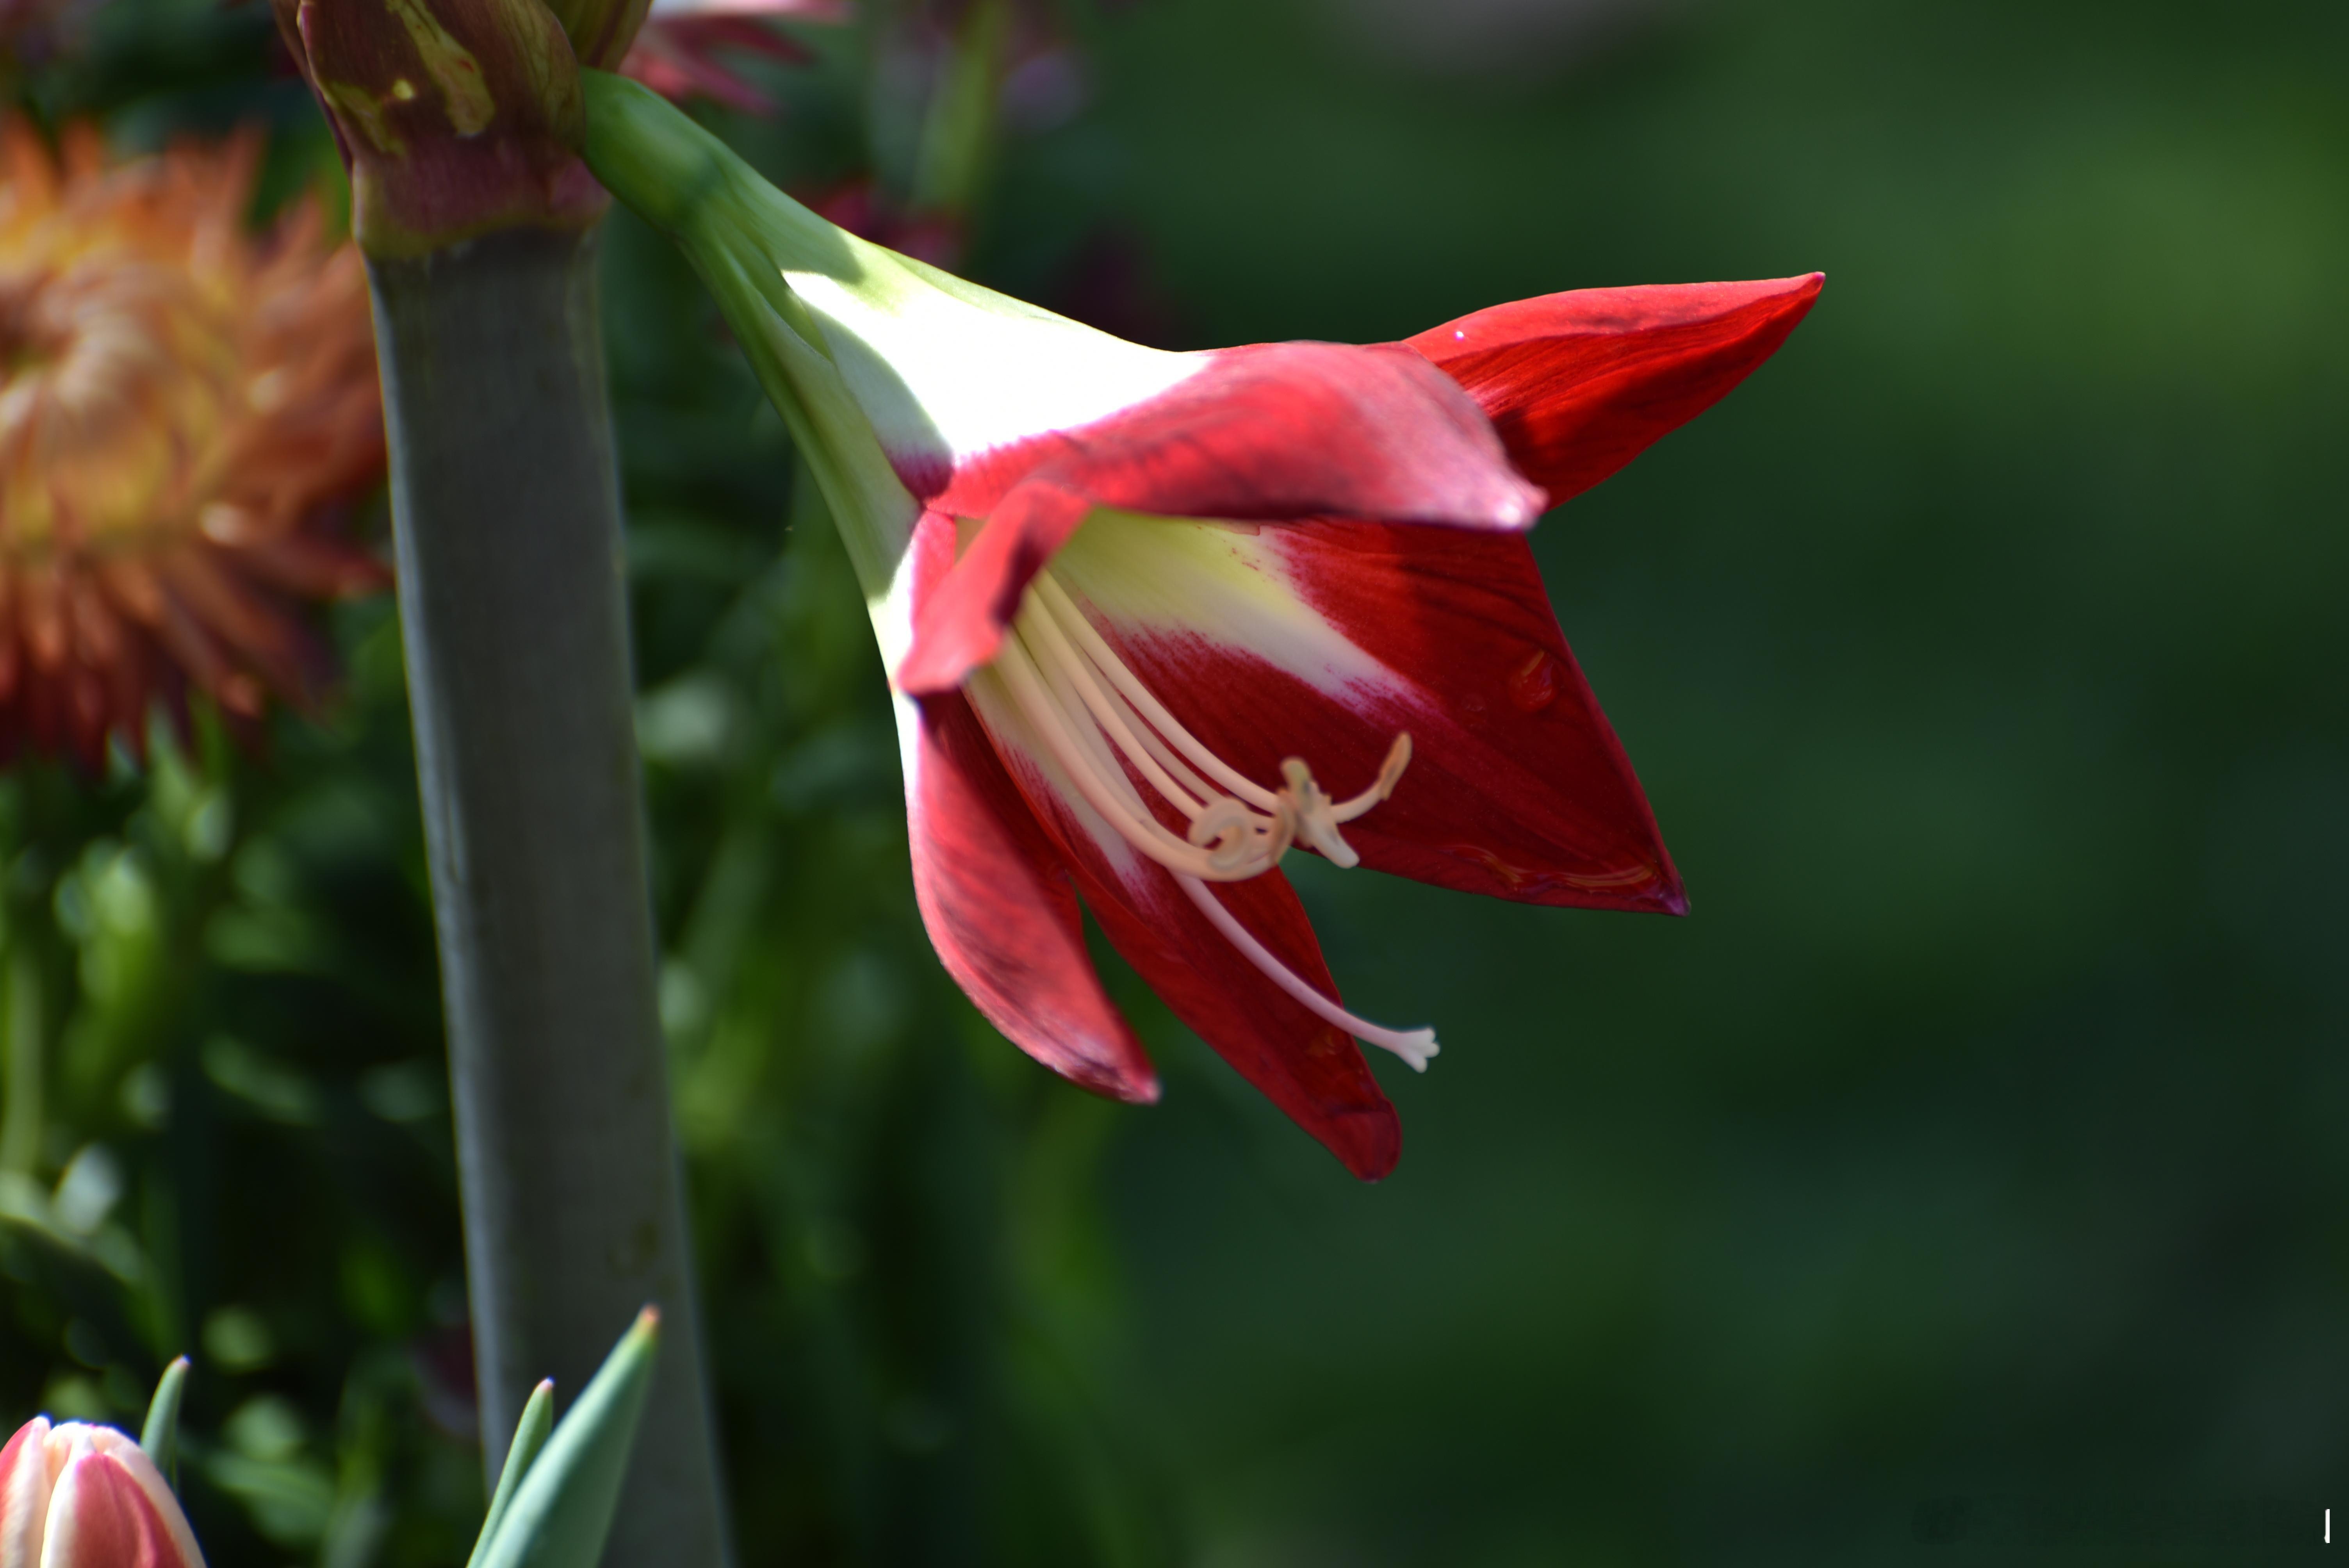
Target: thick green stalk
{"points": [[506, 503]]}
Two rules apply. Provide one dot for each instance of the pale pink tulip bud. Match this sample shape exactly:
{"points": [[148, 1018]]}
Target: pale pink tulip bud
{"points": [[79, 1496]]}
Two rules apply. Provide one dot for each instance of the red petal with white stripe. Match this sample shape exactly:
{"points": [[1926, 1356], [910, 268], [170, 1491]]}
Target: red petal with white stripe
{"points": [[1273, 432], [1322, 640]]}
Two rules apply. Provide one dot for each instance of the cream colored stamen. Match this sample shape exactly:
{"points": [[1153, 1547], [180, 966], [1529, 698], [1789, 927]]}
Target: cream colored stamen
{"points": [[1413, 1046], [1105, 729]]}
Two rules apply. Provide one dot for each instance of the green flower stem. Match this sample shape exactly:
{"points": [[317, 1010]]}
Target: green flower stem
{"points": [[506, 502]]}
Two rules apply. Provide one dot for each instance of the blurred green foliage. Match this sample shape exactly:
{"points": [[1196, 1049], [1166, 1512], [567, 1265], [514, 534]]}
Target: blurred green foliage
{"points": [[1964, 1177]]}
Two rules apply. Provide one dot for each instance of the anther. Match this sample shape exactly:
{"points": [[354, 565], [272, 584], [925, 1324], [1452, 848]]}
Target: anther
{"points": [[1390, 775], [1310, 806]]}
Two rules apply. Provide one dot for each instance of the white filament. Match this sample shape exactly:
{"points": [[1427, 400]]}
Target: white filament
{"points": [[1097, 720], [1413, 1046]]}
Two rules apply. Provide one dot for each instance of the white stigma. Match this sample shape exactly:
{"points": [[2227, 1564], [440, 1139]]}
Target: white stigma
{"points": [[1104, 726]]}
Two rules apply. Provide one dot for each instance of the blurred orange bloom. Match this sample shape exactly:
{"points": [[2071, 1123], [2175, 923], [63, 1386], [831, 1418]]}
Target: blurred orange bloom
{"points": [[186, 409]]}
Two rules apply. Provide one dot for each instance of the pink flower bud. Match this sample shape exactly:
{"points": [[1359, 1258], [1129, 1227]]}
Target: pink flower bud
{"points": [[79, 1496]]}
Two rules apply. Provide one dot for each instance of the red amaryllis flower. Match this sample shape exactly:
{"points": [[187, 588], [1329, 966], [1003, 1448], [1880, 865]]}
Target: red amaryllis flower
{"points": [[681, 53], [183, 410], [1139, 606], [79, 1496]]}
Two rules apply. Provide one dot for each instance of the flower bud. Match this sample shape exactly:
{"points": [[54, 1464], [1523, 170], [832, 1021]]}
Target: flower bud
{"points": [[456, 117], [79, 1496]]}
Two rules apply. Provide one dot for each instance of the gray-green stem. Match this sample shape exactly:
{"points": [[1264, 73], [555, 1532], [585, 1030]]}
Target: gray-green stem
{"points": [[505, 501]]}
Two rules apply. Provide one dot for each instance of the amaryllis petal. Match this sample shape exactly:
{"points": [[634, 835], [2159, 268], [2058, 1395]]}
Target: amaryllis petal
{"points": [[1001, 912], [1580, 383], [1273, 431], [1276, 430], [1324, 640], [961, 623]]}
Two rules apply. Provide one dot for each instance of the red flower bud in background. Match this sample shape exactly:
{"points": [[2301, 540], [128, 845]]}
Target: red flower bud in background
{"points": [[79, 1496]]}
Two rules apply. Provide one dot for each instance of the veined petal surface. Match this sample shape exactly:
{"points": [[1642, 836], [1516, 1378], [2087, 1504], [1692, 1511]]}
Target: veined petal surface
{"points": [[1580, 383], [997, 899], [1278, 431]]}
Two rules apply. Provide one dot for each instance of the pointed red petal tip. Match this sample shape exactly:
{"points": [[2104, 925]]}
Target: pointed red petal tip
{"points": [[1369, 1144], [1580, 383], [1313, 1070]]}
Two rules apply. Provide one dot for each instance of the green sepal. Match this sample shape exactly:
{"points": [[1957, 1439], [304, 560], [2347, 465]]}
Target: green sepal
{"points": [[562, 1509]]}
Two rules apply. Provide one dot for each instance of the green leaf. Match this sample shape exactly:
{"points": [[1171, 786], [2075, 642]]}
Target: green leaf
{"points": [[561, 1509], [161, 1436], [530, 1436]]}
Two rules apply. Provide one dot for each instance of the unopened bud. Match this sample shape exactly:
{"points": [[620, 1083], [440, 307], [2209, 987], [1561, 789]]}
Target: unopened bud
{"points": [[79, 1496], [456, 117]]}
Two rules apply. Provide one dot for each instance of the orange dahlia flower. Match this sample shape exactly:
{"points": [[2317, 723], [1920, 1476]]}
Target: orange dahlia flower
{"points": [[186, 409]]}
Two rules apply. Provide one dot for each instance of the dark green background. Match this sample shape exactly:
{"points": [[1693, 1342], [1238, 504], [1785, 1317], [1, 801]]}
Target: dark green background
{"points": [[1963, 1180]]}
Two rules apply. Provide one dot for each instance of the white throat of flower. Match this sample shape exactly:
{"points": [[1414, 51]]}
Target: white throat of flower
{"points": [[1103, 726]]}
